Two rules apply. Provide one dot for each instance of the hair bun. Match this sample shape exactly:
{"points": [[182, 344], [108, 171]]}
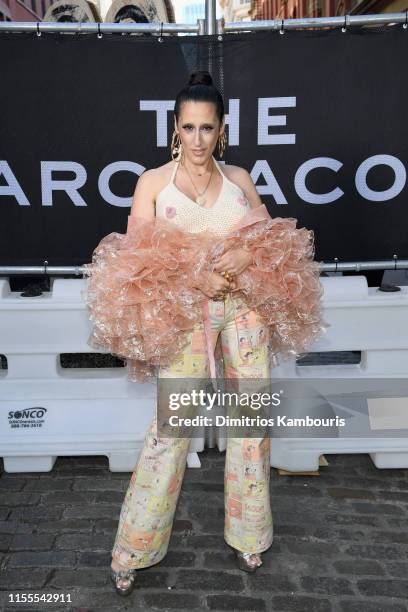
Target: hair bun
{"points": [[200, 77]]}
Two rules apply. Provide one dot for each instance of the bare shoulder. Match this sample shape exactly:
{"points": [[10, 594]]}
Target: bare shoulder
{"points": [[148, 186], [154, 179], [242, 178], [156, 176], [160, 176]]}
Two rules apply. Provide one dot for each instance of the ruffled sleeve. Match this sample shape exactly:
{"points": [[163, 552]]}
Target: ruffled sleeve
{"points": [[140, 293], [283, 282]]}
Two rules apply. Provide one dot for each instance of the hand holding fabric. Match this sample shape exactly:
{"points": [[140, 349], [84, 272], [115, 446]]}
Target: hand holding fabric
{"points": [[213, 283], [234, 260]]}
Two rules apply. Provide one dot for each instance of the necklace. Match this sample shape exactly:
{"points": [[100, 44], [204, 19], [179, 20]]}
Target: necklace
{"points": [[200, 199]]}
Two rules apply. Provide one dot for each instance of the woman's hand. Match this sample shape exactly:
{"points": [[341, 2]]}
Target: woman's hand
{"points": [[233, 261], [214, 285]]}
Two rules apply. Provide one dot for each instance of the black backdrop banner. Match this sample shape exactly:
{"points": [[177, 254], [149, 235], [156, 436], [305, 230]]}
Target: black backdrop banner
{"points": [[318, 117]]}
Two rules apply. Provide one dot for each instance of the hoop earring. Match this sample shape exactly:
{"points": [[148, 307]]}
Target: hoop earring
{"points": [[176, 147], [222, 141]]}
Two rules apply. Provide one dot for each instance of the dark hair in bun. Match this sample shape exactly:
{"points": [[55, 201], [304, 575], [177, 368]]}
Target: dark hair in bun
{"points": [[200, 88], [201, 77]]}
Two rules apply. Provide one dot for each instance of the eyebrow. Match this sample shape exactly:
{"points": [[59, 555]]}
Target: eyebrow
{"points": [[203, 124]]}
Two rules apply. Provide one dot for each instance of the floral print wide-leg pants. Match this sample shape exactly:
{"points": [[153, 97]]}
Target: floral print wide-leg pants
{"points": [[149, 506]]}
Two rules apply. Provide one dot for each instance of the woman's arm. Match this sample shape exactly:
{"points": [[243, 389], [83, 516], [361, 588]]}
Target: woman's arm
{"points": [[143, 203], [236, 260]]}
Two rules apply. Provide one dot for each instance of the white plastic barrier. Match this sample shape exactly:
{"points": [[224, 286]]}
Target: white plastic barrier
{"points": [[47, 411], [362, 318]]}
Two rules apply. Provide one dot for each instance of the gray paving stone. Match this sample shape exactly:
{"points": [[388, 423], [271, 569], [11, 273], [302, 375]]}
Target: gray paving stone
{"points": [[29, 514], [172, 601], [51, 498], [69, 578], [359, 567], [179, 559], [300, 603], [84, 542], [32, 542], [353, 519], [401, 496], [263, 580], [63, 525], [91, 511], [7, 485], [385, 588], [399, 537], [326, 585], [204, 580], [397, 568], [108, 484], [94, 559], [346, 493], [5, 541], [31, 578], [336, 534], [223, 602], [378, 508], [42, 559], [18, 498], [11, 527], [358, 605], [49, 484], [375, 551], [155, 578]]}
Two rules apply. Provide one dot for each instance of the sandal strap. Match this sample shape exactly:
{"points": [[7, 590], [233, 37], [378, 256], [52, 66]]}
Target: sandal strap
{"points": [[247, 556], [125, 574]]}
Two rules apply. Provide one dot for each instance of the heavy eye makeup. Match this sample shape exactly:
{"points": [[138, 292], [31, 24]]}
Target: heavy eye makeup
{"points": [[204, 127]]}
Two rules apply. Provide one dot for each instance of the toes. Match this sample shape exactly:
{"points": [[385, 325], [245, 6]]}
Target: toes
{"points": [[256, 559]]}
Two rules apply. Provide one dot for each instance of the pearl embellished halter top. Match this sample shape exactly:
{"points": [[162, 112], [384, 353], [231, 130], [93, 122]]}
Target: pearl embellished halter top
{"points": [[175, 206]]}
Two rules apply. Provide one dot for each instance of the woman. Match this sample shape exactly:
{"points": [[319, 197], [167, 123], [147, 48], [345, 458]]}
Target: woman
{"points": [[203, 203]]}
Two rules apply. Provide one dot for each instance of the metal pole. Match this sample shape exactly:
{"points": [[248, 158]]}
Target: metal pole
{"points": [[155, 27], [201, 27], [345, 22], [326, 267], [210, 16]]}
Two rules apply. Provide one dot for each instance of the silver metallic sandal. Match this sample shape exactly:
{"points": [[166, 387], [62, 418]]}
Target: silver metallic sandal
{"points": [[244, 561], [127, 576]]}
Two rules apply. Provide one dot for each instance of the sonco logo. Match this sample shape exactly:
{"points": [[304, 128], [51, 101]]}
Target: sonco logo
{"points": [[37, 412]]}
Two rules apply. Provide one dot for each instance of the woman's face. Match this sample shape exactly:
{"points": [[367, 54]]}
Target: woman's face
{"points": [[199, 130]]}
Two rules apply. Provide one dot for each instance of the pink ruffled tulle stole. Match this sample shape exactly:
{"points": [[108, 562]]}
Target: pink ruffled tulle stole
{"points": [[141, 290]]}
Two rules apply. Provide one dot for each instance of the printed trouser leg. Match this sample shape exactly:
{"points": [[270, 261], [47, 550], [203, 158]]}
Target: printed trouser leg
{"points": [[150, 502], [147, 513], [248, 516]]}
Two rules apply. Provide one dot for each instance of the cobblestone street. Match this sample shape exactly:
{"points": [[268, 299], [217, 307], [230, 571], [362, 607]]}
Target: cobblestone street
{"points": [[340, 544]]}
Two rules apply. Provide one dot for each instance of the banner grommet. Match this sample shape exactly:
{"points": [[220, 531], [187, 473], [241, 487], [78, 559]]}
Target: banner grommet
{"points": [[346, 25], [281, 30], [160, 39]]}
